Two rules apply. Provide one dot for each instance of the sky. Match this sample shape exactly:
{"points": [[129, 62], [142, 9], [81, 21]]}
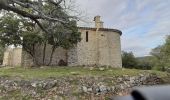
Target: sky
{"points": [[144, 23]]}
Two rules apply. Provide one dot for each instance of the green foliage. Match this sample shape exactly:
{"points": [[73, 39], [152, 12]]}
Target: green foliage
{"points": [[145, 63], [162, 56], [19, 31], [10, 30], [64, 35], [2, 49], [129, 60]]}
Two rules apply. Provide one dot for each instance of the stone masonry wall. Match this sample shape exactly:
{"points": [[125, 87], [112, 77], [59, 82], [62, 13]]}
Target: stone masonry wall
{"points": [[12, 57], [27, 60], [72, 57], [59, 54], [109, 49], [87, 50], [103, 49]]}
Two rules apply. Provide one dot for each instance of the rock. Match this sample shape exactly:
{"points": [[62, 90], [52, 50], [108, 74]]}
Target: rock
{"points": [[126, 77], [63, 88], [101, 69], [89, 89], [50, 85], [74, 73], [132, 80], [141, 75], [34, 85], [122, 86], [84, 89], [110, 70], [56, 97], [120, 79], [91, 68], [143, 78], [97, 90], [113, 88], [103, 89]]}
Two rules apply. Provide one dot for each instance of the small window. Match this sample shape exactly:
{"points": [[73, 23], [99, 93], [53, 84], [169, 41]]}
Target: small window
{"points": [[87, 36]]}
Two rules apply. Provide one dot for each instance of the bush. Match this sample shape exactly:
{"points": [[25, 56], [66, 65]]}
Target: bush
{"points": [[129, 60]]}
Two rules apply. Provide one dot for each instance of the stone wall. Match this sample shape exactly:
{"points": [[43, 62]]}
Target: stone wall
{"points": [[6, 58], [72, 57], [59, 54], [109, 49], [102, 49], [27, 60], [87, 51], [12, 57]]}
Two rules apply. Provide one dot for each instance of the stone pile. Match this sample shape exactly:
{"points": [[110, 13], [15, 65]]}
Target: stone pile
{"points": [[73, 88]]}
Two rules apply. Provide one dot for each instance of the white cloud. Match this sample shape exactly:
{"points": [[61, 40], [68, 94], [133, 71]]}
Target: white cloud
{"points": [[133, 17]]}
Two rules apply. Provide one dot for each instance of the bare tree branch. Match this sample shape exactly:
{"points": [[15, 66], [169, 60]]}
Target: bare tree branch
{"points": [[18, 11], [56, 3], [36, 10]]}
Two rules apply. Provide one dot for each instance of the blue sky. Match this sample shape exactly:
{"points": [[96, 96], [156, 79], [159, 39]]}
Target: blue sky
{"points": [[144, 23]]}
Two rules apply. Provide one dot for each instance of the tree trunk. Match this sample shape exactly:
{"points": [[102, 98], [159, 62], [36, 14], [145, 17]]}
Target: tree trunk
{"points": [[35, 62], [67, 56], [51, 56], [44, 52]]}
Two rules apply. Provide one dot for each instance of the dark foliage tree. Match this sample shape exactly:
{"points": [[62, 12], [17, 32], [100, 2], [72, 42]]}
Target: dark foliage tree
{"points": [[56, 26], [162, 55], [129, 60], [38, 10], [145, 63], [2, 50]]}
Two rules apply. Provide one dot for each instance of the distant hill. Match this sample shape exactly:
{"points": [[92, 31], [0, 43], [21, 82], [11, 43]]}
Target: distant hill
{"points": [[145, 58]]}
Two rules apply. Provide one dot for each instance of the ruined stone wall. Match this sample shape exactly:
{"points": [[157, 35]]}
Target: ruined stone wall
{"points": [[12, 57], [27, 60], [16, 57], [59, 54], [6, 58]]}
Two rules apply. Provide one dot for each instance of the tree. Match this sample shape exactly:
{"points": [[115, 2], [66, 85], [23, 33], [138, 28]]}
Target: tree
{"points": [[17, 30], [162, 55], [66, 36], [38, 10], [145, 63], [2, 49], [129, 60]]}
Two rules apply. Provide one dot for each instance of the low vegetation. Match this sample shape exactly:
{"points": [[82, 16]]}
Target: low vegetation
{"points": [[33, 73], [159, 59]]}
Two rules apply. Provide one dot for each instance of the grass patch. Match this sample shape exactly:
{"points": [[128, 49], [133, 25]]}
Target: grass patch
{"points": [[33, 73]]}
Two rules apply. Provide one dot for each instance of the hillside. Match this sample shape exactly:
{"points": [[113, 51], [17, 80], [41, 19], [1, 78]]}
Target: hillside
{"points": [[145, 58]]}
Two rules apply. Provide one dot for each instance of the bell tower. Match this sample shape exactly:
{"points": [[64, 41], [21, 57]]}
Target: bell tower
{"points": [[98, 22]]}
